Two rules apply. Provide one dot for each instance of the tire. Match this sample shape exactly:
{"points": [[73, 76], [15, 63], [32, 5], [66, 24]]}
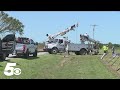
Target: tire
{"points": [[3, 57], [83, 51], [18, 55], [27, 54], [49, 52], [77, 53], [54, 51], [35, 53], [95, 53], [7, 55]]}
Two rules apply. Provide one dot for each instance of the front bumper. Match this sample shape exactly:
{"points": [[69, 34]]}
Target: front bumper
{"points": [[47, 49], [18, 52]]}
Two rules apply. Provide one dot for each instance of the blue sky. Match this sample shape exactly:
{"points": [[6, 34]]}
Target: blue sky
{"points": [[39, 23]]}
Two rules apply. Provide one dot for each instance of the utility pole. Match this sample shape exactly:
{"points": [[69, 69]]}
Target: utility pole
{"points": [[94, 29]]}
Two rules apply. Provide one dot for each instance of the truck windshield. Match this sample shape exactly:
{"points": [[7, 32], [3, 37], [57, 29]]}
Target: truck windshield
{"points": [[56, 40], [23, 40], [53, 41]]}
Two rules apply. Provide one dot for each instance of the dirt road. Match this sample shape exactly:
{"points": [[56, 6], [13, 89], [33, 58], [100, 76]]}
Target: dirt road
{"points": [[42, 53], [39, 53]]}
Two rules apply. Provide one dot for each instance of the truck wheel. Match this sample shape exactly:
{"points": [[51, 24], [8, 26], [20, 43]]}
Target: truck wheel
{"points": [[35, 53], [3, 57], [77, 53], [54, 51], [7, 55], [95, 53], [27, 54], [83, 52], [18, 55], [49, 52]]}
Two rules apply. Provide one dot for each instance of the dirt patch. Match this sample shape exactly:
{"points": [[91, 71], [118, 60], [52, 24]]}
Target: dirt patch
{"points": [[66, 59]]}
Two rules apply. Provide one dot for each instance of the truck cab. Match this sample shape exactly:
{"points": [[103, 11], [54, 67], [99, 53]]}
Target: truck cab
{"points": [[56, 45], [7, 46]]}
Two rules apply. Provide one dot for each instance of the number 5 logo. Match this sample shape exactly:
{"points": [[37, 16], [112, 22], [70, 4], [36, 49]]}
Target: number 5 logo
{"points": [[9, 70]]}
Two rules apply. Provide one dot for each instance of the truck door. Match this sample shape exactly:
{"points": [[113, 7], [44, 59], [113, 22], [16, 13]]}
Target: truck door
{"points": [[8, 44], [32, 46], [61, 45]]}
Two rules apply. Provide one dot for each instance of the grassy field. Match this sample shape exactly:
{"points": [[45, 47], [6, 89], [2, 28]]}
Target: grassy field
{"points": [[60, 67]]}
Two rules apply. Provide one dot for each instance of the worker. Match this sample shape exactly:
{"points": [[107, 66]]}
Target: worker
{"points": [[86, 35], [105, 49], [81, 38], [113, 51], [66, 50], [49, 37], [113, 54], [95, 45]]}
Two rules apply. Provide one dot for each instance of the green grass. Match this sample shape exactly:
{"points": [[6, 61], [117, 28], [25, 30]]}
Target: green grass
{"points": [[59, 67], [110, 64]]}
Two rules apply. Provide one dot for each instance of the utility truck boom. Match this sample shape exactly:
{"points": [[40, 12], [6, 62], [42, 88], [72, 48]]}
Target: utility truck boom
{"points": [[54, 44], [82, 48], [52, 37]]}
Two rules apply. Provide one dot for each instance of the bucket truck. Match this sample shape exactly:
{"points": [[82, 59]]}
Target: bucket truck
{"points": [[54, 44], [82, 48]]}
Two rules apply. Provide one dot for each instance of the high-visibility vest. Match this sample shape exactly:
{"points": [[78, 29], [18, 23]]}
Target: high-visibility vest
{"points": [[105, 48]]}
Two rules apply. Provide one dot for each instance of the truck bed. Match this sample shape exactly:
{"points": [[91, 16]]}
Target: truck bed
{"points": [[75, 47]]}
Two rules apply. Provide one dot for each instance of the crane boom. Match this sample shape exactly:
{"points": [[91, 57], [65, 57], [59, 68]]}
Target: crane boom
{"points": [[50, 37], [84, 38]]}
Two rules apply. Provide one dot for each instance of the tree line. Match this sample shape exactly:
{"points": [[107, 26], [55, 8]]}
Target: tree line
{"points": [[110, 44]]}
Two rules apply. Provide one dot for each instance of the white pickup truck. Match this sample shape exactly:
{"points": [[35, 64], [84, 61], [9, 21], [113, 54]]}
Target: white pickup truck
{"points": [[25, 46]]}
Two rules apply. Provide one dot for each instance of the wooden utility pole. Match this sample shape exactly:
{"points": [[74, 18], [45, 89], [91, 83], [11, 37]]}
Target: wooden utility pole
{"points": [[94, 29]]}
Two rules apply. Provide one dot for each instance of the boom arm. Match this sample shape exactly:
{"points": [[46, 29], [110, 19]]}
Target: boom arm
{"points": [[63, 32], [85, 38]]}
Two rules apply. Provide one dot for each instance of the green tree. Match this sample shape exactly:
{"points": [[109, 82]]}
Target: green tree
{"points": [[10, 24], [110, 45], [100, 45]]}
